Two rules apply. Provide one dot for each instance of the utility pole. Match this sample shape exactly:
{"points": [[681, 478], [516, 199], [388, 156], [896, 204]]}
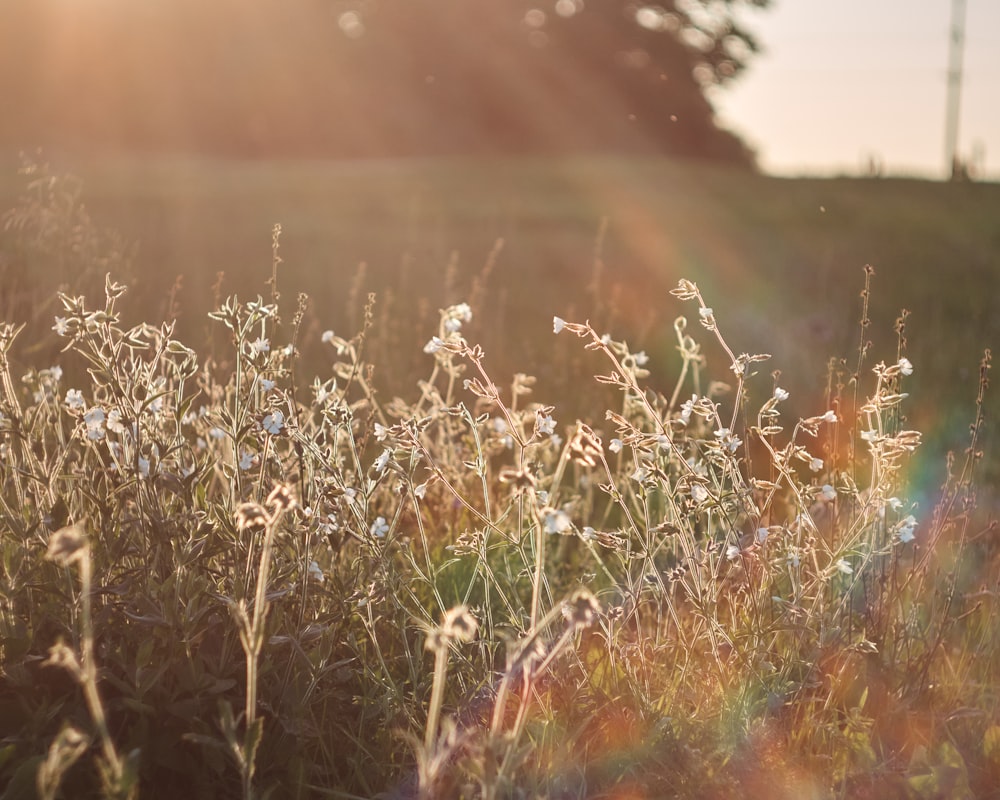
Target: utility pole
{"points": [[956, 48]]}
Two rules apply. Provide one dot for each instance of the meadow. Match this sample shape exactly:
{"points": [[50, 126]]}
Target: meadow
{"points": [[599, 478]]}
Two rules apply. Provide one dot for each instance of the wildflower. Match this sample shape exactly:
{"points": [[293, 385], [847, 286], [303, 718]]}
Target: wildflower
{"points": [[869, 436], [435, 344], [845, 566], [905, 366], [67, 545], [421, 490], [793, 558], [143, 466], [816, 464], [61, 327], [687, 407], [55, 373], [762, 534], [705, 312], [733, 552], [327, 337], [828, 492], [246, 460], [274, 422], [74, 400], [382, 461], [727, 440], [266, 384], [906, 529], [381, 431], [260, 345], [641, 358], [581, 609], [94, 419], [114, 421], [829, 416], [894, 503], [455, 316], [699, 493], [315, 573], [545, 425], [557, 521], [615, 445], [558, 323], [640, 474], [379, 528], [780, 394]]}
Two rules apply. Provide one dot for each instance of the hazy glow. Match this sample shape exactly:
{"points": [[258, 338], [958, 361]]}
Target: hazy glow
{"points": [[842, 85]]}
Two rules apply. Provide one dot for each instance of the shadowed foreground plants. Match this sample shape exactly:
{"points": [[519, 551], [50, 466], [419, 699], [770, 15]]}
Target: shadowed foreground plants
{"points": [[460, 594]]}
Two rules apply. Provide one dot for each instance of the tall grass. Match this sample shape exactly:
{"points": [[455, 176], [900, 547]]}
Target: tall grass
{"points": [[264, 583]]}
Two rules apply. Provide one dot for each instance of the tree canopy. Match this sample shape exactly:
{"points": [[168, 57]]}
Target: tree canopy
{"points": [[373, 77]]}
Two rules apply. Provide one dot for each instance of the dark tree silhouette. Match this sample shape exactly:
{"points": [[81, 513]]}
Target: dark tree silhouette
{"points": [[372, 77]]}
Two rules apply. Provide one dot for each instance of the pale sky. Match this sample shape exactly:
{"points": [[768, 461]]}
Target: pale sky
{"points": [[841, 81]]}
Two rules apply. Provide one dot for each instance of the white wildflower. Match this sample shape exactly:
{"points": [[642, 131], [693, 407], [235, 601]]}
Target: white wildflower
{"points": [[558, 323], [383, 460], [906, 529], [545, 425], [379, 528], [94, 419], [557, 521], [74, 399], [435, 344], [274, 422]]}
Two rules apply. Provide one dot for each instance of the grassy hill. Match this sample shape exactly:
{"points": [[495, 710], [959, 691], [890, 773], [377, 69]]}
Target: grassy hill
{"points": [[780, 260]]}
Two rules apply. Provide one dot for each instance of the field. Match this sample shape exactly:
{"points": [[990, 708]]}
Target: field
{"points": [[781, 259], [304, 547]]}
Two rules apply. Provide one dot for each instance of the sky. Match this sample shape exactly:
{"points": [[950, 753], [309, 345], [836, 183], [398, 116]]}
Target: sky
{"points": [[844, 82]]}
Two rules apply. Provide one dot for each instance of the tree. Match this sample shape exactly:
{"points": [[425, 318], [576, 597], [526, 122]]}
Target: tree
{"points": [[373, 77]]}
